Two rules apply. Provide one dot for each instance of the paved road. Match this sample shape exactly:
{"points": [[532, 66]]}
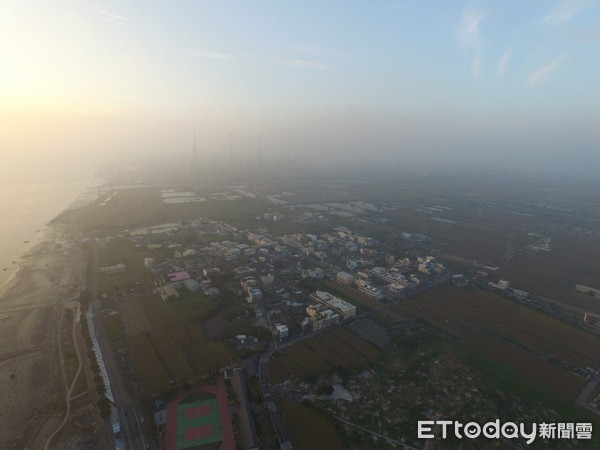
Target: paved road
{"points": [[278, 424], [130, 413], [374, 433], [586, 392]]}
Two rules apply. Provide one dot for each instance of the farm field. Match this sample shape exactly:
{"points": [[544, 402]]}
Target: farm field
{"points": [[165, 348], [553, 275], [136, 277], [511, 333], [562, 381], [483, 243], [309, 429], [338, 347], [143, 313], [123, 208], [131, 207]]}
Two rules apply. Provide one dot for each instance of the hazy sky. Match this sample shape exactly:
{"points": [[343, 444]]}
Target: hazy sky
{"points": [[393, 80]]}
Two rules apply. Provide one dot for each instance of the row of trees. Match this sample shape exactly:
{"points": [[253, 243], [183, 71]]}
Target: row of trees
{"points": [[103, 402]]}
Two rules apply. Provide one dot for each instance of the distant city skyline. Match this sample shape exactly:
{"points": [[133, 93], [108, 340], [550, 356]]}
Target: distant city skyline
{"points": [[510, 83]]}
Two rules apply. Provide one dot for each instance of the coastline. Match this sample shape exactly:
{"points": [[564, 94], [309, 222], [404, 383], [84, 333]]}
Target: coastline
{"points": [[48, 278], [84, 196], [31, 386]]}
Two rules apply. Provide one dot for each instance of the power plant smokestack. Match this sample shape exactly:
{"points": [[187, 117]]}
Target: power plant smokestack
{"points": [[195, 151], [259, 150], [230, 159]]}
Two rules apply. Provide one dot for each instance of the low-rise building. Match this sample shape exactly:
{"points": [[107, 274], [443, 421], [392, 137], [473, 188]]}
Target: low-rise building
{"points": [[267, 280], [167, 292], [254, 294], [587, 290], [319, 317], [371, 291], [394, 291], [592, 320], [386, 276], [282, 331], [178, 277], [503, 284], [345, 278], [346, 310], [113, 269]]}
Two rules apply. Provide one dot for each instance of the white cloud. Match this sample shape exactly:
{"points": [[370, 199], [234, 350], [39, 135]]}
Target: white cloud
{"points": [[214, 55], [110, 17], [503, 63], [468, 34], [565, 11], [468, 29], [303, 63], [542, 72]]}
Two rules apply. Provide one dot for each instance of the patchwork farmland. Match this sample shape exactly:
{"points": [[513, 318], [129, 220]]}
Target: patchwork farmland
{"points": [[321, 354], [537, 345], [553, 275], [164, 348]]}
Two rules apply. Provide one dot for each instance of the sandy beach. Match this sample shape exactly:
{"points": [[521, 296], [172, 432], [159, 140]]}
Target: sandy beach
{"points": [[31, 304]]}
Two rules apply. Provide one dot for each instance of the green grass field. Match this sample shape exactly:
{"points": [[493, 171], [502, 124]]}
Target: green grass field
{"points": [[68, 346], [114, 327], [112, 282], [191, 306]]}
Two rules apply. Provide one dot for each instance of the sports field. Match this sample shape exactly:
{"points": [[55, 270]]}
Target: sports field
{"points": [[199, 419], [198, 423]]}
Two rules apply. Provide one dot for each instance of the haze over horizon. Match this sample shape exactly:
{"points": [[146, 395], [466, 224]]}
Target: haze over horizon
{"points": [[512, 84]]}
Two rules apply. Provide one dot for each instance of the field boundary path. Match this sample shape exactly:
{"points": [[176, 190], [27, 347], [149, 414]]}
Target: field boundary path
{"points": [[73, 382]]}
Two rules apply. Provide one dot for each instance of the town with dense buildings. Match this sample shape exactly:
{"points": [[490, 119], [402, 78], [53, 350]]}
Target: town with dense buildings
{"points": [[284, 315]]}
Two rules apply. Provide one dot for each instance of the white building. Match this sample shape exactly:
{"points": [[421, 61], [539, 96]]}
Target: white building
{"points": [[345, 309], [319, 317], [371, 291], [394, 291], [345, 278], [282, 331], [113, 269]]}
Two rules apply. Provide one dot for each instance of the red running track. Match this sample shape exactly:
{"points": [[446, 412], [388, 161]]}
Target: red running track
{"points": [[220, 391]]}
